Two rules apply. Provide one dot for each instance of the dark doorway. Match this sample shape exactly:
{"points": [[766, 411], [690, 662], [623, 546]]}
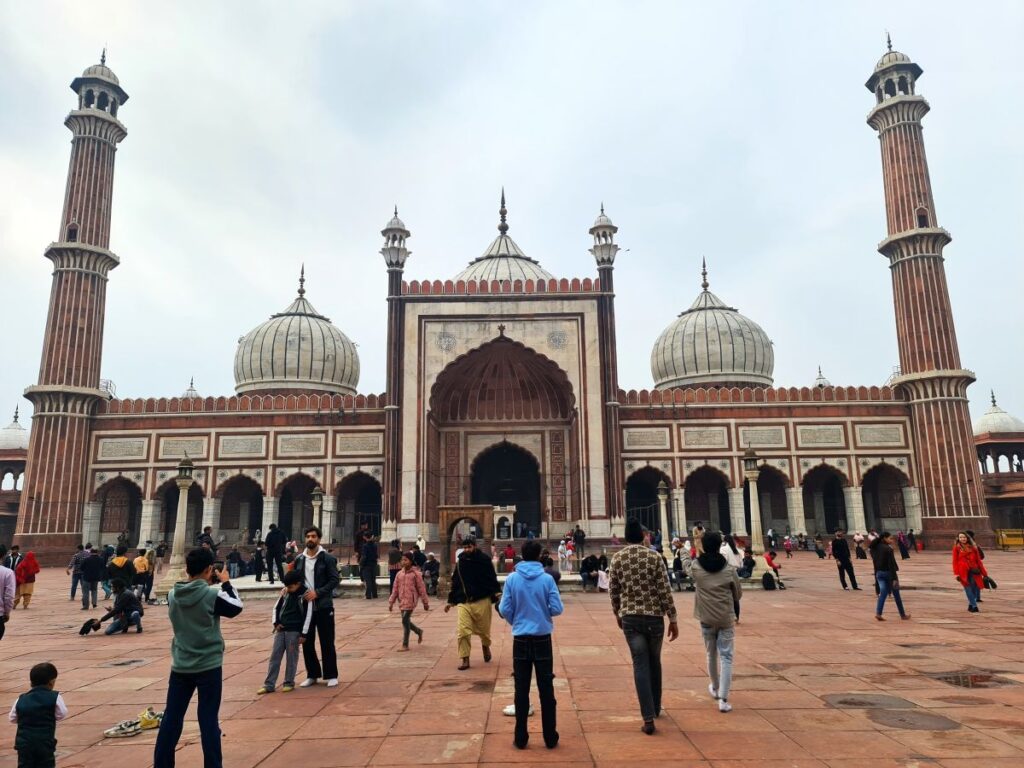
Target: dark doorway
{"points": [[823, 499], [706, 499], [295, 509], [884, 507], [506, 475], [121, 511], [241, 506], [359, 504], [642, 498]]}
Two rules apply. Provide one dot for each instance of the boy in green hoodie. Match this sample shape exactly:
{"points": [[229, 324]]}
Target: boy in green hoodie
{"points": [[197, 656]]}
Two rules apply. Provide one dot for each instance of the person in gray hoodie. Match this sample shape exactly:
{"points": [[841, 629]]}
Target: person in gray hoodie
{"points": [[717, 590]]}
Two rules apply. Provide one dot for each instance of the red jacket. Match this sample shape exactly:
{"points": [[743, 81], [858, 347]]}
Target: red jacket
{"points": [[27, 569], [964, 560]]}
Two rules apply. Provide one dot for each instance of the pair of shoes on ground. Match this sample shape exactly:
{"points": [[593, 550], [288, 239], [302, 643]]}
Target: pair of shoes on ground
{"points": [[723, 705], [311, 681], [973, 609], [286, 688], [147, 720]]}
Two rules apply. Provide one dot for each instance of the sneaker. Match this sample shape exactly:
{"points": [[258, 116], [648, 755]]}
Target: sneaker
{"points": [[510, 711], [123, 729], [712, 690], [332, 683], [309, 681], [724, 706], [264, 690], [149, 719], [287, 688]]}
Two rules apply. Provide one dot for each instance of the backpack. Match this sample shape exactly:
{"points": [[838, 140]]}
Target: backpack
{"points": [[768, 581]]}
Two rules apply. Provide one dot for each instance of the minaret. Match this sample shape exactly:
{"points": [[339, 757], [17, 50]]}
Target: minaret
{"points": [[56, 488], [604, 251], [395, 254], [931, 374]]}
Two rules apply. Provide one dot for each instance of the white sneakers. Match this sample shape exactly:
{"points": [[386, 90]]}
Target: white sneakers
{"points": [[309, 681], [332, 683], [724, 706], [712, 691], [510, 711]]}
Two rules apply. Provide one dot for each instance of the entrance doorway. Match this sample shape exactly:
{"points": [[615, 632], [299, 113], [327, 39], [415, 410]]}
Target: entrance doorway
{"points": [[359, 505], [642, 498], [506, 475]]}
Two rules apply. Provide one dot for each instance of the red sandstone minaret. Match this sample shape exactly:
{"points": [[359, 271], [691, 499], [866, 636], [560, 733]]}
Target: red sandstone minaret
{"points": [[56, 489], [931, 374]]}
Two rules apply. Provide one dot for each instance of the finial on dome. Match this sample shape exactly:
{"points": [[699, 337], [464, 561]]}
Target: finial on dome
{"points": [[15, 414], [503, 212], [103, 57], [888, 40], [992, 392], [396, 210], [192, 382], [602, 207], [704, 273], [302, 280]]}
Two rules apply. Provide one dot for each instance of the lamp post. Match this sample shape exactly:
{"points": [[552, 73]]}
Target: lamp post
{"points": [[663, 512], [318, 503], [176, 570]]}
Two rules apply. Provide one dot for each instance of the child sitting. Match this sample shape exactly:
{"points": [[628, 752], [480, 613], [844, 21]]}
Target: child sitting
{"points": [[36, 714], [292, 617]]}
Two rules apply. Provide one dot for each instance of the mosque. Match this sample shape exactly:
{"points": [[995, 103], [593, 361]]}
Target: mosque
{"points": [[502, 388]]}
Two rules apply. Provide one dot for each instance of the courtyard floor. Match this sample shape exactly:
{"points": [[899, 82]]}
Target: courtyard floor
{"points": [[818, 683]]}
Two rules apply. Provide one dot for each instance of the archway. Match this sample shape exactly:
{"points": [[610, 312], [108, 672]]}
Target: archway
{"points": [[295, 505], [121, 511], [168, 496], [824, 503], [241, 507], [882, 489], [359, 506], [642, 498], [706, 499], [771, 497], [506, 475]]}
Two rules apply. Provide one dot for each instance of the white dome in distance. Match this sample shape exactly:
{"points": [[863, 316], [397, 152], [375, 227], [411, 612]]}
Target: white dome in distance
{"points": [[14, 437], [996, 421]]}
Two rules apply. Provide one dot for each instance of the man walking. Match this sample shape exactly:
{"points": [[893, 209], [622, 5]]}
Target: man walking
{"points": [[319, 571], [13, 557], [474, 589], [275, 551], [579, 539], [94, 570], [841, 552], [368, 556], [197, 656], [75, 567], [7, 590], [529, 602], [641, 597]]}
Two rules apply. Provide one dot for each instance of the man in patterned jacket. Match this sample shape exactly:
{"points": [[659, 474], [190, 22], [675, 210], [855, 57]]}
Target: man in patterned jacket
{"points": [[641, 597]]}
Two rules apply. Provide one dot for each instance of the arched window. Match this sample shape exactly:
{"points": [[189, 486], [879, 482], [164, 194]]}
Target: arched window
{"points": [[103, 101], [90, 98], [922, 218], [113, 107], [903, 85], [890, 88], [878, 93], [72, 235]]}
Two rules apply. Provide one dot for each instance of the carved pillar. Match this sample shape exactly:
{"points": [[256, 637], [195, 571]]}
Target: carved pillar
{"points": [[329, 512], [149, 527], [912, 507], [854, 499], [91, 522], [211, 514], [795, 510], [819, 512], [736, 511]]}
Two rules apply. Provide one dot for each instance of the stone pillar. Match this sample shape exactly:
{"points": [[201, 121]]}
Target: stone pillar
{"points": [[912, 506], [795, 510], [736, 511], [269, 514], [819, 512], [91, 522], [329, 512], [211, 514], [679, 511], [854, 508], [149, 527]]}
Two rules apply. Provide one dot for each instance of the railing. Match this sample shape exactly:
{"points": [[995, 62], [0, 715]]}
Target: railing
{"points": [[1010, 537]]}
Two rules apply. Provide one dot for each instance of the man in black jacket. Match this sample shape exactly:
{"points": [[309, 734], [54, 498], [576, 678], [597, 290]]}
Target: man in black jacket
{"points": [[126, 611], [275, 551], [319, 571], [474, 590], [841, 552], [368, 556]]}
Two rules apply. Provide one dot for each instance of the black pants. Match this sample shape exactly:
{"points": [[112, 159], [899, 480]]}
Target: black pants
{"points": [[368, 573], [323, 625], [408, 627], [644, 635], [179, 693], [529, 653], [275, 557], [846, 567], [37, 755]]}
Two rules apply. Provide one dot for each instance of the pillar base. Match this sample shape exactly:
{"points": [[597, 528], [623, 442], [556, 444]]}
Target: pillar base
{"points": [[51, 549], [171, 577], [939, 533]]}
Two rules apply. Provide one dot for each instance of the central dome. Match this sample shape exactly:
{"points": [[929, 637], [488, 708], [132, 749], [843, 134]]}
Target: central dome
{"points": [[297, 349], [711, 344], [503, 259]]}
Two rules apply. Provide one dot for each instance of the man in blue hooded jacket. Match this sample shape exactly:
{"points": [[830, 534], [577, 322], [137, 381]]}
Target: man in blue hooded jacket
{"points": [[529, 602]]}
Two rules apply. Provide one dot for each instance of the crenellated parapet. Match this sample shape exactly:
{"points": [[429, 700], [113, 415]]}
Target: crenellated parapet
{"points": [[733, 395], [501, 287], [243, 403]]}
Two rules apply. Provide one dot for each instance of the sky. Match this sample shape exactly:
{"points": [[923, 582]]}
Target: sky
{"points": [[267, 135]]}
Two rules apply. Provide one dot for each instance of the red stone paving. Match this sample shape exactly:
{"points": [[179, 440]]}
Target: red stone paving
{"points": [[793, 649]]}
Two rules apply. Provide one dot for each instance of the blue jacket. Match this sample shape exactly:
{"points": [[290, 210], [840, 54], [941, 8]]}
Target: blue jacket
{"points": [[530, 600]]}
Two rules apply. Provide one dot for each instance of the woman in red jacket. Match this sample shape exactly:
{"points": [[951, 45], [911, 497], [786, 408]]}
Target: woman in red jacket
{"points": [[969, 569], [25, 577]]}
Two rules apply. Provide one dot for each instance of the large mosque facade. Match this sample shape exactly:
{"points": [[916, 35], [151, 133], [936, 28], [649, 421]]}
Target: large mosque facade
{"points": [[502, 389]]}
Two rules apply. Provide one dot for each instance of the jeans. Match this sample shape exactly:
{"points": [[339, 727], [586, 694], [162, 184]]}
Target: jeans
{"points": [[973, 593], [75, 579], [407, 627], [588, 578], [886, 584], [285, 644], [846, 568], [718, 644], [529, 653], [118, 625], [644, 635], [368, 573], [89, 589], [180, 688], [107, 589], [233, 570], [323, 625]]}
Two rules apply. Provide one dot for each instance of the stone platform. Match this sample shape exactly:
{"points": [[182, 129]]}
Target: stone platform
{"points": [[819, 684]]}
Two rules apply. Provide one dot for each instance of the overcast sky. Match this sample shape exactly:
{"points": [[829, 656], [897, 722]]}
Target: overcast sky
{"points": [[261, 137]]}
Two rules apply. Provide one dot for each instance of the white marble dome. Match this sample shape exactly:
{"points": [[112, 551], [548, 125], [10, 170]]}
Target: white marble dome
{"points": [[103, 72], [504, 259], [297, 349], [996, 421], [14, 437], [712, 344]]}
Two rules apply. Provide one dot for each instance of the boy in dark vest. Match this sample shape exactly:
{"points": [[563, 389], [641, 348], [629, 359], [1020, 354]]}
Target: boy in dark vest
{"points": [[36, 714]]}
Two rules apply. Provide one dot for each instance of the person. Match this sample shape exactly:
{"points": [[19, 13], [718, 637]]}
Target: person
{"points": [[508, 558], [431, 573], [884, 562], [8, 586], [93, 572], [120, 567], [819, 546], [407, 590], [696, 539], [421, 543], [74, 568], [614, 540], [12, 558], [235, 561], [474, 589], [579, 540], [195, 608], [205, 539], [858, 542], [902, 543], [968, 569], [126, 611], [36, 714], [677, 575], [770, 536], [368, 566], [25, 578], [319, 571], [787, 546], [912, 539], [841, 552], [140, 579], [730, 551], [394, 562], [151, 561], [293, 616], [258, 561], [548, 564], [275, 551], [640, 596], [748, 564], [529, 602], [418, 558], [769, 558], [715, 604], [588, 572]]}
